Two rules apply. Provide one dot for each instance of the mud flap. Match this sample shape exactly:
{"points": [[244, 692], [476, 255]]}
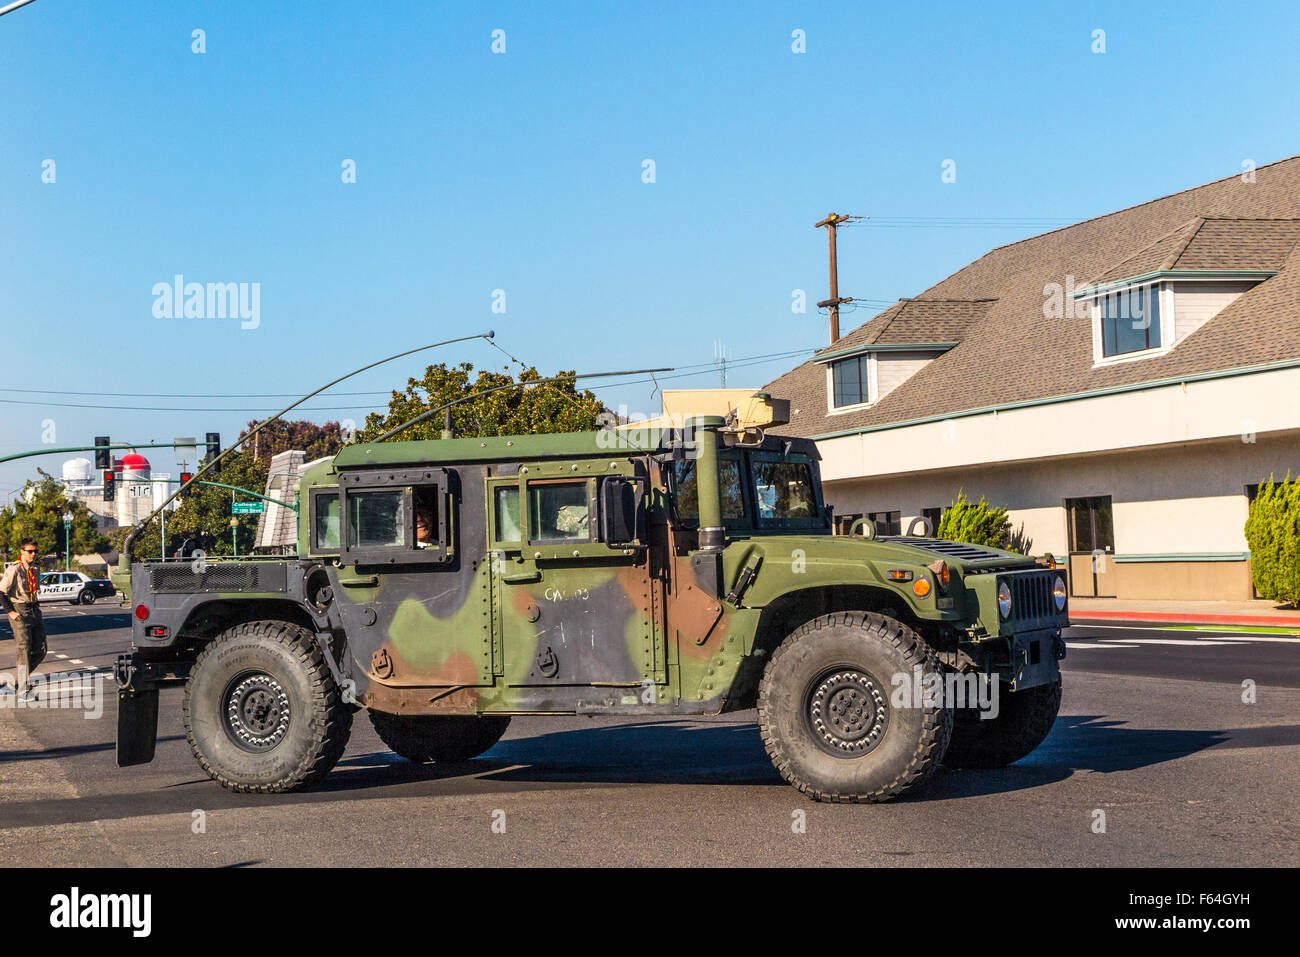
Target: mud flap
{"points": [[137, 726]]}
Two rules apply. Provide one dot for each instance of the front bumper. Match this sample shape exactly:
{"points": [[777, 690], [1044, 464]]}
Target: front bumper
{"points": [[1036, 658]]}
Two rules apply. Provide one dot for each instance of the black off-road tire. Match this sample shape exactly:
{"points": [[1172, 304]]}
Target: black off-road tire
{"points": [[259, 675], [826, 716], [425, 738], [1024, 719]]}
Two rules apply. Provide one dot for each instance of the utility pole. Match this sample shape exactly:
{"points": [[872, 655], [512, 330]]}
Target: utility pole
{"points": [[831, 222]]}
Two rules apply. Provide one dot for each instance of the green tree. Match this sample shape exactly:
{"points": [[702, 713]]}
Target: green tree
{"points": [[37, 513], [976, 523], [317, 441], [554, 407], [204, 512], [1273, 534]]}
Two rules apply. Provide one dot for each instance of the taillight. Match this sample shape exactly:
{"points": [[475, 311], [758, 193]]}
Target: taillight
{"points": [[142, 612]]}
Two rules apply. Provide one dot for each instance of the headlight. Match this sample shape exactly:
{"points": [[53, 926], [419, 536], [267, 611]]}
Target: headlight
{"points": [[1058, 593], [1004, 600]]}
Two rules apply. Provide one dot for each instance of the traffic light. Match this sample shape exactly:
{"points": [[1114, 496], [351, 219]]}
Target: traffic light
{"points": [[213, 444], [103, 457], [110, 485], [185, 477]]}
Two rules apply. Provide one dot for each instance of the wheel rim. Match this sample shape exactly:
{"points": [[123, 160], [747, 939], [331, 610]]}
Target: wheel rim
{"points": [[846, 711], [255, 711]]}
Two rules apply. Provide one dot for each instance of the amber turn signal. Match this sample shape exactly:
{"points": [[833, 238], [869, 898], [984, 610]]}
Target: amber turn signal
{"points": [[921, 587]]}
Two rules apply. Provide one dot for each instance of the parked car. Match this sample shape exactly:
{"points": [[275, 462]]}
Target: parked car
{"points": [[74, 587]]}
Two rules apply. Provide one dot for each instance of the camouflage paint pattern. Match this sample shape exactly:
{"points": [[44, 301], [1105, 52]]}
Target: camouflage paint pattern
{"points": [[563, 627]]}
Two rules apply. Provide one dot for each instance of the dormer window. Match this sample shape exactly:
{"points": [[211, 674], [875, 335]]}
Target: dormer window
{"points": [[1130, 321], [851, 381]]}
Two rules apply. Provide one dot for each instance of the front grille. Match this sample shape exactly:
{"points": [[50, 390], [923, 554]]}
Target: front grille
{"points": [[218, 576], [972, 553], [1031, 597]]}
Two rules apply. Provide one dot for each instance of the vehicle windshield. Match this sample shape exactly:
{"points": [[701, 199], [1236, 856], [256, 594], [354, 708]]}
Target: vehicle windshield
{"points": [[784, 490], [781, 491]]}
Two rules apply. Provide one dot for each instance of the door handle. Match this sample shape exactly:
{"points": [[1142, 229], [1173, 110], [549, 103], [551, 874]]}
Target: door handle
{"points": [[522, 577], [369, 581]]}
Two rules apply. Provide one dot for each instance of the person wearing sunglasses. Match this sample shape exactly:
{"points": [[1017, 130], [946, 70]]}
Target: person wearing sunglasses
{"points": [[19, 589]]}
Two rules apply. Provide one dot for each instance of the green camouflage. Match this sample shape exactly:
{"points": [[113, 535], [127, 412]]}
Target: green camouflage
{"points": [[478, 625]]}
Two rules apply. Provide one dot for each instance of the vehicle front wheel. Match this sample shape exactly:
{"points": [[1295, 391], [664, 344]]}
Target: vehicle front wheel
{"points": [[827, 711], [425, 738], [1024, 719], [262, 710]]}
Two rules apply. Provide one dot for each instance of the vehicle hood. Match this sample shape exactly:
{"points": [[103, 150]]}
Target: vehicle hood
{"points": [[960, 556]]}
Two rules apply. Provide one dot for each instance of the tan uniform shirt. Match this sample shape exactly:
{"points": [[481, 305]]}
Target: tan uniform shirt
{"points": [[16, 586]]}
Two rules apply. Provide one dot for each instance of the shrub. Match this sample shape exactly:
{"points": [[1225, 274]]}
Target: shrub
{"points": [[976, 523], [1273, 534]]}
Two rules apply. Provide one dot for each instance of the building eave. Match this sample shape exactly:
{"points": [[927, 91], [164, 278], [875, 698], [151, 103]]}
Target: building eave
{"points": [[1089, 292], [1071, 397]]}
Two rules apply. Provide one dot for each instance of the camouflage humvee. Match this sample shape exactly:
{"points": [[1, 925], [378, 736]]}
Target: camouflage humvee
{"points": [[446, 585]]}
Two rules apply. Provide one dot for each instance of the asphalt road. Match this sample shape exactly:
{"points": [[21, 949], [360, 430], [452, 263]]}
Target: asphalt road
{"points": [[1153, 734]]}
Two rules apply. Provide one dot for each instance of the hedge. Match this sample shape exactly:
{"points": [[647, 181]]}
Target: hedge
{"points": [[1273, 534]]}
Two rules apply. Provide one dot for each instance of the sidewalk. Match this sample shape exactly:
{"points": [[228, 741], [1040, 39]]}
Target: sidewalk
{"points": [[1256, 613]]}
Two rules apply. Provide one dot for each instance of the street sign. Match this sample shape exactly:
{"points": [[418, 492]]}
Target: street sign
{"points": [[139, 490], [248, 508]]}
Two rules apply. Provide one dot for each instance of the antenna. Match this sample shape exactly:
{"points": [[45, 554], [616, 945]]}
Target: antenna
{"points": [[721, 356]]}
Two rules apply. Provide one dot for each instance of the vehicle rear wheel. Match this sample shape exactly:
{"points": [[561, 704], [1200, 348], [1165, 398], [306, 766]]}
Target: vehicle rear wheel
{"points": [[425, 738], [1024, 719], [87, 597], [262, 710], [826, 715]]}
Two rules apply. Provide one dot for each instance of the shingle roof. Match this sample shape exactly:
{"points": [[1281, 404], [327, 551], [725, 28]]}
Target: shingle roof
{"points": [[916, 321], [1013, 353], [1216, 244]]}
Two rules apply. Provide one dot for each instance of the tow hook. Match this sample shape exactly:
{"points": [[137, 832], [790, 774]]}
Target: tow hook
{"points": [[123, 671], [1058, 646]]}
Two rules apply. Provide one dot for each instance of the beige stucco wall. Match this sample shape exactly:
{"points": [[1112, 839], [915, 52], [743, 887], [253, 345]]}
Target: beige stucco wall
{"points": [[1244, 405], [1179, 499]]}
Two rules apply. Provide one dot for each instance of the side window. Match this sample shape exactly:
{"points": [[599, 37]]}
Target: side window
{"points": [[376, 518], [399, 517], [325, 526], [559, 512], [505, 513]]}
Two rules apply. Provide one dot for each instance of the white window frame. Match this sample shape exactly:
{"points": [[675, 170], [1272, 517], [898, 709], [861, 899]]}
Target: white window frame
{"points": [[873, 387], [1167, 343]]}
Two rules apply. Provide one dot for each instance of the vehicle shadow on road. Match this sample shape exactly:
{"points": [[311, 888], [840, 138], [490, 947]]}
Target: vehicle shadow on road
{"points": [[90, 621], [1103, 744]]}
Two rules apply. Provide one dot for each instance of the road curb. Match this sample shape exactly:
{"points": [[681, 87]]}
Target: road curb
{"points": [[1280, 621]]}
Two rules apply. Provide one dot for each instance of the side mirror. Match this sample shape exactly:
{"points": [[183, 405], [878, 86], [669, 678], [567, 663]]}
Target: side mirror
{"points": [[620, 510]]}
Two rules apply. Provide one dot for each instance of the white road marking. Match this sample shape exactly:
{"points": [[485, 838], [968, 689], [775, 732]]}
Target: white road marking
{"points": [[77, 661], [1085, 644], [60, 656]]}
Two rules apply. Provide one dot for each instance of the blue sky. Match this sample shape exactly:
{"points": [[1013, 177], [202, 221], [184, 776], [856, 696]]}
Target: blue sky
{"points": [[522, 172]]}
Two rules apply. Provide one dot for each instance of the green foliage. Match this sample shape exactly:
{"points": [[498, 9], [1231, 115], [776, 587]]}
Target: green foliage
{"points": [[555, 407], [976, 523], [37, 513], [317, 441], [1273, 534]]}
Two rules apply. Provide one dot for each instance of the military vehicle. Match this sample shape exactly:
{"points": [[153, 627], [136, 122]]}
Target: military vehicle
{"points": [[445, 586]]}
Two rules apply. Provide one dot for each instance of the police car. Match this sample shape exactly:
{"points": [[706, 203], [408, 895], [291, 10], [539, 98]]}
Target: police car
{"points": [[74, 587]]}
